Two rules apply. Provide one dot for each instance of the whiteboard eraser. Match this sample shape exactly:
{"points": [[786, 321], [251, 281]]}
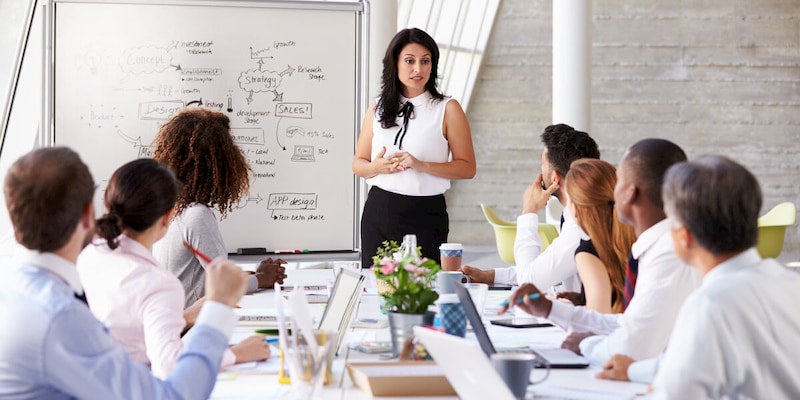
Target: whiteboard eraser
{"points": [[251, 251]]}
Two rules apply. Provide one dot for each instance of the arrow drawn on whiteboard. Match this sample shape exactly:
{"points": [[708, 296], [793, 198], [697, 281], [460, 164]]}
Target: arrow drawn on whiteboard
{"points": [[198, 102], [277, 96], [257, 199], [135, 142], [288, 71], [177, 67], [277, 129]]}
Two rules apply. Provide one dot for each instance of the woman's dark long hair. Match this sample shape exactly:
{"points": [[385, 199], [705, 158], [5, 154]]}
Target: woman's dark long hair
{"points": [[391, 87], [138, 194]]}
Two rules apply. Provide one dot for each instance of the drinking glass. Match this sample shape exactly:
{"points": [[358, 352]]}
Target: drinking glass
{"points": [[308, 365]]}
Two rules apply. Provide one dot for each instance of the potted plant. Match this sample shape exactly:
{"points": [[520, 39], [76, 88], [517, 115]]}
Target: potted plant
{"points": [[406, 285]]}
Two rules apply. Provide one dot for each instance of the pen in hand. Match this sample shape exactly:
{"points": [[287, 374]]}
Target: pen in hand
{"points": [[198, 253], [532, 296]]}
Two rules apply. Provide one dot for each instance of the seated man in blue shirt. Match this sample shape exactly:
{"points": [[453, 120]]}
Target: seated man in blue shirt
{"points": [[52, 347]]}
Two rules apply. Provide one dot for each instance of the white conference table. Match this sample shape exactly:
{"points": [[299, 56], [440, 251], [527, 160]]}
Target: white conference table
{"points": [[561, 384]]}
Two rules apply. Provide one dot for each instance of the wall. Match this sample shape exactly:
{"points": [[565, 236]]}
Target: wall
{"points": [[714, 76]]}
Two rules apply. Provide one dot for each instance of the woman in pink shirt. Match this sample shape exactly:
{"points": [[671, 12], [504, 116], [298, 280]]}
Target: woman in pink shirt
{"points": [[139, 301]]}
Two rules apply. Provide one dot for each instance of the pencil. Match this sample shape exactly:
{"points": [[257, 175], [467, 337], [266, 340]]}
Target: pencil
{"points": [[198, 253]]}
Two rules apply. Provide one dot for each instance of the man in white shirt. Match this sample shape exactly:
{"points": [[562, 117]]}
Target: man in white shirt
{"points": [[52, 346], [736, 336], [663, 281], [562, 146]]}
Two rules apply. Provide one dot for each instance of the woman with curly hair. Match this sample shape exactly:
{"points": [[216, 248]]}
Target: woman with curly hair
{"points": [[413, 141], [140, 302], [197, 145], [601, 259]]}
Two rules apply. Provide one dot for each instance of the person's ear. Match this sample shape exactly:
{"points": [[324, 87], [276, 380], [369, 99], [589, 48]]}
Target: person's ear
{"points": [[166, 219], [556, 177], [87, 218], [629, 194], [683, 238]]}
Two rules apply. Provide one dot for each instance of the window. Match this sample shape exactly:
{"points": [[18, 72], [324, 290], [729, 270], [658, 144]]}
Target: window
{"points": [[461, 29]]}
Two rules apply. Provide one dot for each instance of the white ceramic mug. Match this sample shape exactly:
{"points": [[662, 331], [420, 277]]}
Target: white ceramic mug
{"points": [[446, 279]]}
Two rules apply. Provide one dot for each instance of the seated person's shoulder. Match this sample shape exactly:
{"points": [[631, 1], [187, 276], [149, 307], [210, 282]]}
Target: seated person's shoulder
{"points": [[586, 246]]}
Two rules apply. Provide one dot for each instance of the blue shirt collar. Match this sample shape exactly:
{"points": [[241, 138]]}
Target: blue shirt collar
{"points": [[54, 264]]}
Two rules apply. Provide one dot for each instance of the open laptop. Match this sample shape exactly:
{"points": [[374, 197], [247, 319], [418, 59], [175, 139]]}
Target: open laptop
{"points": [[345, 295], [552, 357], [470, 373]]}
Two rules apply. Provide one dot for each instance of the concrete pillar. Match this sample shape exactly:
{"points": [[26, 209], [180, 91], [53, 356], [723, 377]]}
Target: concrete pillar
{"points": [[382, 28], [572, 63]]}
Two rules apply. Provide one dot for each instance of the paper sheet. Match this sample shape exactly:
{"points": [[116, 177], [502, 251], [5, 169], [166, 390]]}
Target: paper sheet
{"points": [[301, 315], [269, 366]]}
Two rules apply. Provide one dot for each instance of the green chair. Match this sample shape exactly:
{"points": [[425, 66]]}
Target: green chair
{"points": [[505, 232], [772, 229], [548, 233]]}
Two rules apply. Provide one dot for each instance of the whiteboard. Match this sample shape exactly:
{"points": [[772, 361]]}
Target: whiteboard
{"points": [[287, 74]]}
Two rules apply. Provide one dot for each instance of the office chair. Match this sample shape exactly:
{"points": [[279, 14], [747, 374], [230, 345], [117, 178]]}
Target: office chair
{"points": [[505, 232], [772, 229]]}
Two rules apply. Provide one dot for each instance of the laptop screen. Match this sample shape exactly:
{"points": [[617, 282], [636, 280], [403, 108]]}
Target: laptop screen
{"points": [[555, 358], [345, 295], [474, 318]]}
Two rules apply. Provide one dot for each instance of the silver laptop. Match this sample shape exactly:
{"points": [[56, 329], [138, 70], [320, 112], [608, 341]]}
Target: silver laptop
{"points": [[550, 357], [345, 295], [470, 373]]}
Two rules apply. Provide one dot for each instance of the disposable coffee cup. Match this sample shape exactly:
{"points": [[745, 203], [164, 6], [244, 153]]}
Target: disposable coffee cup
{"points": [[454, 320], [450, 254]]}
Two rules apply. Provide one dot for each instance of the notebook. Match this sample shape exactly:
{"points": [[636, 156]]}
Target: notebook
{"points": [[345, 295], [554, 357], [470, 373]]}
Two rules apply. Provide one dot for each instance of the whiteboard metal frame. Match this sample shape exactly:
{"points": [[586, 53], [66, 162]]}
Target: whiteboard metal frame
{"points": [[359, 8], [13, 84]]}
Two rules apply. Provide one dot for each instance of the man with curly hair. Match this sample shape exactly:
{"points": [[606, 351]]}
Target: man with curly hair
{"points": [[562, 145], [197, 145]]}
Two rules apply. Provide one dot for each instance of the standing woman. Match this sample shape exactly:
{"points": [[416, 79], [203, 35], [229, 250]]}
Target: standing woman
{"points": [[197, 145], [404, 150], [139, 301], [601, 259]]}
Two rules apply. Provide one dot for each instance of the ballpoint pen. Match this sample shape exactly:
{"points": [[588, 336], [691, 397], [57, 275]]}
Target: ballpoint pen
{"points": [[532, 296]]}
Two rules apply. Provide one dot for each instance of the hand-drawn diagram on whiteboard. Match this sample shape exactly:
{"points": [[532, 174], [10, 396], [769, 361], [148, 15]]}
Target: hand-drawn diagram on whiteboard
{"points": [[290, 96]]}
